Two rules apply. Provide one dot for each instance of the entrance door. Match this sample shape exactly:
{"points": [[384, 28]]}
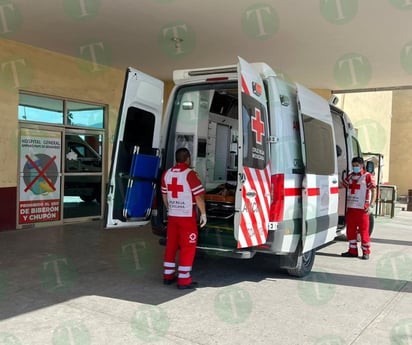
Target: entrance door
{"points": [[320, 183], [135, 155], [253, 197]]}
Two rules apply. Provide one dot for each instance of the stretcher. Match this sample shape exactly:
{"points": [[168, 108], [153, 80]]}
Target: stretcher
{"points": [[141, 185]]}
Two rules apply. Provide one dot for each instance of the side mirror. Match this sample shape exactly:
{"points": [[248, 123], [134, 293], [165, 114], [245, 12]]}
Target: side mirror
{"points": [[370, 167]]}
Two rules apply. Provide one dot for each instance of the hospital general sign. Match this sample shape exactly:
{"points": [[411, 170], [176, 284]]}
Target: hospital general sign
{"points": [[39, 184]]}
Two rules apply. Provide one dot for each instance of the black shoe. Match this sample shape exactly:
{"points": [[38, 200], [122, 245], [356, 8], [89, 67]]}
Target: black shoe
{"points": [[169, 281], [349, 255], [365, 257], [192, 285]]}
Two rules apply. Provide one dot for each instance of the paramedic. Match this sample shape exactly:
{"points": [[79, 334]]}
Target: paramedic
{"points": [[181, 192], [361, 197]]}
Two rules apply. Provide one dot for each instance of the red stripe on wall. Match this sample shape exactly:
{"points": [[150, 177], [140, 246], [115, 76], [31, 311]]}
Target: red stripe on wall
{"points": [[8, 208]]}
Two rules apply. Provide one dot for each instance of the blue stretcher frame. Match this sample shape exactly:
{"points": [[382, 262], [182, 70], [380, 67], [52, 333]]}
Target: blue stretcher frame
{"points": [[141, 185]]}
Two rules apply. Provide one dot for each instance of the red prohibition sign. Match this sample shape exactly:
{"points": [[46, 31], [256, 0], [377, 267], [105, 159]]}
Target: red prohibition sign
{"points": [[41, 173]]}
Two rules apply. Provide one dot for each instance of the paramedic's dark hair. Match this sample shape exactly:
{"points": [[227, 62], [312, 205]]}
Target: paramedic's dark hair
{"points": [[182, 154], [358, 160]]}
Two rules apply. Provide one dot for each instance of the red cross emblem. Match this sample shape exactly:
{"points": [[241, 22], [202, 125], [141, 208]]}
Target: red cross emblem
{"points": [[175, 188], [354, 186], [258, 126]]}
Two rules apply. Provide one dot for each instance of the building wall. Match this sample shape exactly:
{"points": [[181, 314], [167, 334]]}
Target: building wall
{"points": [[371, 115], [27, 68], [401, 144]]}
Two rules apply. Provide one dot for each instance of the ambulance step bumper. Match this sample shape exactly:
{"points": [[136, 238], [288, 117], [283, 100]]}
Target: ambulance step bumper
{"points": [[228, 253]]}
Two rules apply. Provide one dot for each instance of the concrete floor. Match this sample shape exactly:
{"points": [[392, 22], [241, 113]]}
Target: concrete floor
{"points": [[79, 284]]}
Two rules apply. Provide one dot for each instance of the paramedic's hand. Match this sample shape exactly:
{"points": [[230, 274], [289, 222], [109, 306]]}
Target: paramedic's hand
{"points": [[370, 209], [203, 220]]}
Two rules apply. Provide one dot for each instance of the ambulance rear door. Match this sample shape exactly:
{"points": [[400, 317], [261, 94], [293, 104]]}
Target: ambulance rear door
{"points": [[253, 190], [320, 182], [135, 155]]}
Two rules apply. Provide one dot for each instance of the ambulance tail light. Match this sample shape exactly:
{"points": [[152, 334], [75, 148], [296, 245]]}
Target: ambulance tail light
{"points": [[278, 198]]}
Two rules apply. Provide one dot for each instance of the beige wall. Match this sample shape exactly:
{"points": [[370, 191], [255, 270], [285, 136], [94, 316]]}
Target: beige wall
{"points": [[27, 68], [371, 115], [401, 143]]}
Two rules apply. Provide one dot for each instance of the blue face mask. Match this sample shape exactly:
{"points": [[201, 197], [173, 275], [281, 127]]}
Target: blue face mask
{"points": [[356, 170]]}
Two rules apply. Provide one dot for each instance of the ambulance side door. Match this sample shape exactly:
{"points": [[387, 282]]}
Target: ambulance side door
{"points": [[135, 147], [320, 187], [253, 190]]}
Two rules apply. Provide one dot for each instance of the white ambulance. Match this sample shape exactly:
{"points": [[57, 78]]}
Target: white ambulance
{"points": [[269, 153]]}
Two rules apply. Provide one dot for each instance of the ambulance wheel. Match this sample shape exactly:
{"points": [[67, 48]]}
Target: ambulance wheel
{"points": [[304, 264]]}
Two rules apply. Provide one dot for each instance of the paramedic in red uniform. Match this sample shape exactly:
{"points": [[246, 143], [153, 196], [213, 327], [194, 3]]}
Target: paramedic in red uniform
{"points": [[361, 196], [181, 192]]}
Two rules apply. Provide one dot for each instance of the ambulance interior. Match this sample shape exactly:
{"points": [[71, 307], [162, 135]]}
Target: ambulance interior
{"points": [[207, 124]]}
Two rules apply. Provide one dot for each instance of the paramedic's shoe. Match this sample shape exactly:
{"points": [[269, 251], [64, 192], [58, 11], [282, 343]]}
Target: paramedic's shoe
{"points": [[169, 281], [349, 255], [365, 257], [192, 285]]}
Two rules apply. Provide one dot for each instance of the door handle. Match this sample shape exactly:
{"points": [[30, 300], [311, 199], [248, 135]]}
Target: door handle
{"points": [[242, 177]]}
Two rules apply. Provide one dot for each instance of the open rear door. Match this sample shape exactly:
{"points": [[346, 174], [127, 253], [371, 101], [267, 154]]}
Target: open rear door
{"points": [[135, 156], [253, 192], [320, 183]]}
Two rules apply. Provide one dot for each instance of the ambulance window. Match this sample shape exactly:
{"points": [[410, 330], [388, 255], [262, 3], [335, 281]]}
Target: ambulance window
{"points": [[139, 130], [356, 148], [320, 149]]}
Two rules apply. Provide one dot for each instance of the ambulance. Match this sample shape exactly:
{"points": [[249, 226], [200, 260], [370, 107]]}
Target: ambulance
{"points": [[269, 153]]}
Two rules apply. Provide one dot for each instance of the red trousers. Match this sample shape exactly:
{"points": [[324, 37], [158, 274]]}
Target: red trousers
{"points": [[181, 235], [358, 219]]}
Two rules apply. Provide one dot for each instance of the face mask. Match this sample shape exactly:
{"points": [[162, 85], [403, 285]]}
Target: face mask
{"points": [[356, 170]]}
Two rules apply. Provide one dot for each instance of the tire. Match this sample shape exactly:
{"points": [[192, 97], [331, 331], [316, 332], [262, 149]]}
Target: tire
{"points": [[304, 264]]}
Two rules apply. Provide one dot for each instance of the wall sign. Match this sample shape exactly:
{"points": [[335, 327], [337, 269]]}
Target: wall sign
{"points": [[40, 162]]}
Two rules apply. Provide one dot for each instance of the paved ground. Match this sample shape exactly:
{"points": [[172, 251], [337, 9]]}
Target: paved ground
{"points": [[79, 284]]}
